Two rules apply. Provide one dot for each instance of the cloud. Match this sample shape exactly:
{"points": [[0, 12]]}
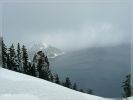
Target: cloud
{"points": [[68, 26], [99, 34]]}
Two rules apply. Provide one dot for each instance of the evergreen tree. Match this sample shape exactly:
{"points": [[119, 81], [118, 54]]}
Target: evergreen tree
{"points": [[4, 55], [8, 61], [75, 86], [41, 63], [51, 77], [44, 73], [89, 91], [29, 69], [19, 58], [57, 80], [81, 90], [25, 59], [127, 86], [33, 70], [12, 58], [67, 83], [46, 60]]}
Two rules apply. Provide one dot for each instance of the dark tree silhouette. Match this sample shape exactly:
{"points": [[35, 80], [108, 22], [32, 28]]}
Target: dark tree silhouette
{"points": [[57, 80], [25, 59], [127, 86], [67, 83], [75, 86], [4, 55]]}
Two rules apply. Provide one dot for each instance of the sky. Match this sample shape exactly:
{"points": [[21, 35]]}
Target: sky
{"points": [[68, 25]]}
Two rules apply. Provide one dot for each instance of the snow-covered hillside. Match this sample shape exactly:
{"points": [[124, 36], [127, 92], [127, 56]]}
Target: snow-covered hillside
{"points": [[16, 86]]}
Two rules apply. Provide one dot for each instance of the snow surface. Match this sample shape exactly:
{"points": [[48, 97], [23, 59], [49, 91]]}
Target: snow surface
{"points": [[17, 86]]}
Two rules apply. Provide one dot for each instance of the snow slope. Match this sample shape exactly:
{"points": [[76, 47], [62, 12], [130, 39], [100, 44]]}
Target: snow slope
{"points": [[16, 86]]}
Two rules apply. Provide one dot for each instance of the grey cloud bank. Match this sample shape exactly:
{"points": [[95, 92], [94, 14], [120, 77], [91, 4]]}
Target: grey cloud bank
{"points": [[67, 25]]}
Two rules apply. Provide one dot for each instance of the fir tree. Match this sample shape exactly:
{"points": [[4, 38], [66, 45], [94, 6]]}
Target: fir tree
{"points": [[33, 70], [67, 83], [75, 86], [29, 69], [43, 71], [25, 59], [89, 91], [19, 58], [127, 86], [81, 90], [51, 77], [57, 80], [12, 58], [42, 65], [8, 61], [4, 55]]}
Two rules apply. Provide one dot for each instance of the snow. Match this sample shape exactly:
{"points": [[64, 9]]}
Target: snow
{"points": [[130, 98], [45, 45], [55, 54], [17, 86]]}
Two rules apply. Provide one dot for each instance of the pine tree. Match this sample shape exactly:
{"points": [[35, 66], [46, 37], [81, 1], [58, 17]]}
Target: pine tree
{"points": [[25, 59], [51, 77], [46, 60], [43, 71], [127, 86], [12, 58], [4, 55], [8, 61], [57, 80], [29, 69], [75, 86], [67, 83], [81, 90], [19, 58], [33, 70], [89, 91], [41, 63]]}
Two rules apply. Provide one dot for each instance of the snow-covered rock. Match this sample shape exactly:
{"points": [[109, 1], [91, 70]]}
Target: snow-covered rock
{"points": [[17, 86], [49, 50]]}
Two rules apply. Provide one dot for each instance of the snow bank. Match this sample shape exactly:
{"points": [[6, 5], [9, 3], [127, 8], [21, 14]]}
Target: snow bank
{"points": [[16, 86]]}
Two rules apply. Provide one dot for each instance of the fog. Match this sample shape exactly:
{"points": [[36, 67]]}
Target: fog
{"points": [[67, 25]]}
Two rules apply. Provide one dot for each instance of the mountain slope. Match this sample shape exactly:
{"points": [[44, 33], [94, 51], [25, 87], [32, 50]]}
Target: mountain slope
{"points": [[50, 51], [16, 86]]}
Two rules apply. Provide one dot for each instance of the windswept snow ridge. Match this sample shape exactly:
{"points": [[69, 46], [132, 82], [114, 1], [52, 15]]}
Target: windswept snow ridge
{"points": [[16, 86]]}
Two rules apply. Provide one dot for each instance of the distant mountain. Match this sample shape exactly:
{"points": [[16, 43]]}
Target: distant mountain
{"points": [[49, 50]]}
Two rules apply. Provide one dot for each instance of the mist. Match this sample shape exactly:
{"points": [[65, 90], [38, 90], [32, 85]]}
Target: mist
{"points": [[68, 26]]}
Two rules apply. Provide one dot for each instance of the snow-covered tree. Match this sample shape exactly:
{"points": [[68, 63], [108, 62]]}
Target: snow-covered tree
{"points": [[19, 58], [42, 65], [127, 86]]}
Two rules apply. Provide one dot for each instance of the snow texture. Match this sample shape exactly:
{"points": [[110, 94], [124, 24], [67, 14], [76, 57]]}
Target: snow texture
{"points": [[14, 86], [17, 86]]}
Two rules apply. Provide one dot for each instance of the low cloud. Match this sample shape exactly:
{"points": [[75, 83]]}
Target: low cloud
{"points": [[89, 35]]}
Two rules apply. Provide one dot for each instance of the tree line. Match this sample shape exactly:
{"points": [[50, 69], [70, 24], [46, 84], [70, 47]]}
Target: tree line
{"points": [[18, 60]]}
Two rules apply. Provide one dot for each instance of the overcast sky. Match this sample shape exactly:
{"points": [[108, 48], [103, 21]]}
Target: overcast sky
{"points": [[67, 25]]}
